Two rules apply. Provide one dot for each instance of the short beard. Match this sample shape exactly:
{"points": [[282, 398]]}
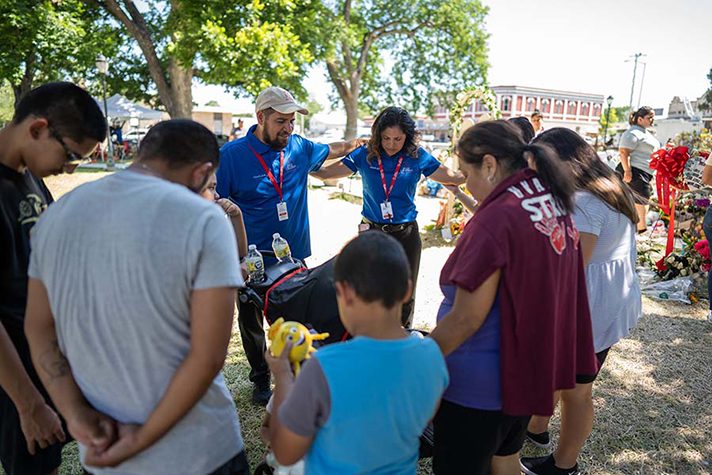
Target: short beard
{"points": [[274, 142]]}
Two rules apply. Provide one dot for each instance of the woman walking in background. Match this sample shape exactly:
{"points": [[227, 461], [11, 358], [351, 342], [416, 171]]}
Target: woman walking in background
{"points": [[636, 145]]}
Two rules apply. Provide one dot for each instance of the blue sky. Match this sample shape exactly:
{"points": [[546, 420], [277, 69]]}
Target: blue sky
{"points": [[582, 45]]}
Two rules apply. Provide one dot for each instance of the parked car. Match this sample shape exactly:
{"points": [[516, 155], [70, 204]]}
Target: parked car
{"points": [[134, 136]]}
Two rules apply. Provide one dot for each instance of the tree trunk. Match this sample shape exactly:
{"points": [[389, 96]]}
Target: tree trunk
{"points": [[346, 93], [181, 92], [25, 84], [173, 84], [351, 106]]}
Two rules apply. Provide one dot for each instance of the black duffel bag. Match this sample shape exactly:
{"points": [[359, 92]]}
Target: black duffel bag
{"points": [[307, 296]]}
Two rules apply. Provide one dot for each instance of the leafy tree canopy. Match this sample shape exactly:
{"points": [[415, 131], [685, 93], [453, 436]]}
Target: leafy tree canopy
{"points": [[380, 52], [50, 41]]}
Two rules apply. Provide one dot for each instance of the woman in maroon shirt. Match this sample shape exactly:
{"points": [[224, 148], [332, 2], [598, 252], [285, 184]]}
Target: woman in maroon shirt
{"points": [[517, 262]]}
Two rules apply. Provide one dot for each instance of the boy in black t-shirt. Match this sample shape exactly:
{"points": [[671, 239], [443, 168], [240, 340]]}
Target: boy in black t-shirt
{"points": [[53, 126]]}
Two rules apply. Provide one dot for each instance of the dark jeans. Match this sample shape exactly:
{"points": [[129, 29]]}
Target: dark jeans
{"points": [[409, 237], [235, 466], [707, 227], [252, 334]]}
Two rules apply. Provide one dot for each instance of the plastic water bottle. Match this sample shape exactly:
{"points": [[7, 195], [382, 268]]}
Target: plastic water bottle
{"points": [[255, 264], [280, 246]]}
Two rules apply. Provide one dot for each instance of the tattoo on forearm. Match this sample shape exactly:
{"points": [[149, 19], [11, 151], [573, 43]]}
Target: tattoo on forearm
{"points": [[54, 363]]}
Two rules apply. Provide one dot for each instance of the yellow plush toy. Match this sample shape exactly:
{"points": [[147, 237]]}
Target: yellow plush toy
{"points": [[280, 332]]}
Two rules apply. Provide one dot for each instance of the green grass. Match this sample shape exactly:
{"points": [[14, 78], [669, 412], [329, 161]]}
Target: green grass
{"points": [[349, 198], [653, 400], [89, 170]]}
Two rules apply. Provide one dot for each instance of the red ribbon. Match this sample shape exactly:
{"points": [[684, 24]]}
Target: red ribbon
{"points": [[669, 164]]}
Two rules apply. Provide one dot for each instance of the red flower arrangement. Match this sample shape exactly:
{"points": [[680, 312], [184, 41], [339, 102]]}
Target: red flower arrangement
{"points": [[670, 163], [703, 249]]}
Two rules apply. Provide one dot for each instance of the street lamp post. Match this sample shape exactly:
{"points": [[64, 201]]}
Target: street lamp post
{"points": [[609, 101], [102, 65]]}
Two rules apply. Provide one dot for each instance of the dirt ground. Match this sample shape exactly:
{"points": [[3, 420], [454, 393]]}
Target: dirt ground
{"points": [[653, 399]]}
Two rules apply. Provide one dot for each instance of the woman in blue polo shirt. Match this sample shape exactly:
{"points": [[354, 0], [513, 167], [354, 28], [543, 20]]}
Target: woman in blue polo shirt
{"points": [[390, 166]]}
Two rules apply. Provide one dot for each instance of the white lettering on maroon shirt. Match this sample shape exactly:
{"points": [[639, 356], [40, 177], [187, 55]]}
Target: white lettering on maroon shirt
{"points": [[526, 187], [541, 207], [513, 190], [544, 212]]}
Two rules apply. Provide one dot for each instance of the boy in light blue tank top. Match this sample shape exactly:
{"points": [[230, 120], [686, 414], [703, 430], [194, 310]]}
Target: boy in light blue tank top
{"points": [[360, 406]]}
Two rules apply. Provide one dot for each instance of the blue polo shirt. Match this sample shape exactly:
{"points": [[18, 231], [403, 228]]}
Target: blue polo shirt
{"points": [[403, 194], [242, 178]]}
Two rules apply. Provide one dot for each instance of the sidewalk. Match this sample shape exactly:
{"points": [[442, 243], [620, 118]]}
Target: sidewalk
{"points": [[334, 222]]}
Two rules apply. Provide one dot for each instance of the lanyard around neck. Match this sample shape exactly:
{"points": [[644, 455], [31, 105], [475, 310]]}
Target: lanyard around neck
{"points": [[270, 175], [395, 175]]}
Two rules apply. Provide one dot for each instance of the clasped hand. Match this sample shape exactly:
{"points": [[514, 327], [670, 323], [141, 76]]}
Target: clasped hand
{"points": [[108, 443]]}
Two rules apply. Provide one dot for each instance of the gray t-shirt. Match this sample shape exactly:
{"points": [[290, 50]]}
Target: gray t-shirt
{"points": [[119, 258], [308, 405], [641, 144]]}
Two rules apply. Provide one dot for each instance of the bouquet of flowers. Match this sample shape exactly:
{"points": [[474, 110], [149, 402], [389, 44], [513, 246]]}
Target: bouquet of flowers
{"points": [[678, 264], [692, 173], [670, 163], [703, 249], [681, 167]]}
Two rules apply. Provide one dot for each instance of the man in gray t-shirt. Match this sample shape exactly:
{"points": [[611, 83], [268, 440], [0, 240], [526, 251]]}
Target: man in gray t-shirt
{"points": [[132, 291]]}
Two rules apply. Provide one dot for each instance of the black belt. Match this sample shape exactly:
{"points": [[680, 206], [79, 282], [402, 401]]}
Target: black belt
{"points": [[389, 227]]}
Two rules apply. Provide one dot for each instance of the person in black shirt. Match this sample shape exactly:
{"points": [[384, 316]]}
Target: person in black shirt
{"points": [[54, 126]]}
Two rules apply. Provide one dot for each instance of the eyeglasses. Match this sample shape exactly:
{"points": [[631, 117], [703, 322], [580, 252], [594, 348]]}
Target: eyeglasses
{"points": [[71, 156]]}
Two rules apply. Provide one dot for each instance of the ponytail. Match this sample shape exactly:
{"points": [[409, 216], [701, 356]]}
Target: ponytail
{"points": [[640, 113], [552, 172], [504, 141]]}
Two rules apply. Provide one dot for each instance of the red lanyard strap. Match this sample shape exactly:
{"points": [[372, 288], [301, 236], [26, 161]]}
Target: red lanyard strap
{"points": [[270, 175], [393, 180]]}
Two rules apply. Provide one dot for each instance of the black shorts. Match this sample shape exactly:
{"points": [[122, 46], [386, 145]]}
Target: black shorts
{"points": [[640, 184], [589, 378], [466, 439], [15, 458]]}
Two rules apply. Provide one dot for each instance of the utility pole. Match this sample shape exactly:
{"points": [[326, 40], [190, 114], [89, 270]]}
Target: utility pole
{"points": [[636, 57], [642, 80]]}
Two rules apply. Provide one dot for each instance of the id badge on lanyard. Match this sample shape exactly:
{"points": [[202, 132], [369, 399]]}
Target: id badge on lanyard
{"points": [[386, 206], [386, 210], [282, 212]]}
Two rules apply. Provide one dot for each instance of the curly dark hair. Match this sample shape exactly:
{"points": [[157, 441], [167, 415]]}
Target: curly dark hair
{"points": [[393, 117]]}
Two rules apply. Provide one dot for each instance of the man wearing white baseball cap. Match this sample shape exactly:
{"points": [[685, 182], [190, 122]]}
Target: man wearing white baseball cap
{"points": [[265, 173]]}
